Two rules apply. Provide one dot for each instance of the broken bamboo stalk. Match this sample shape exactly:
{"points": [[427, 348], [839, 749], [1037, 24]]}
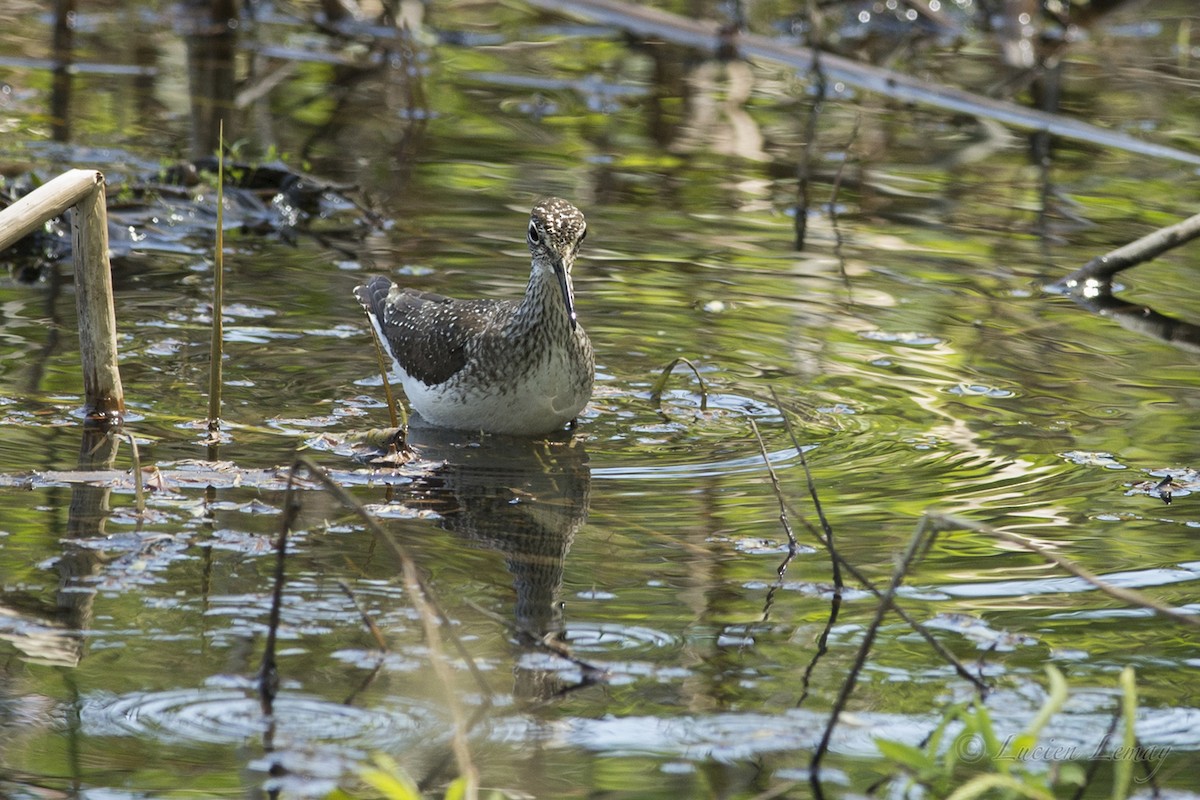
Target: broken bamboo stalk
{"points": [[82, 191]]}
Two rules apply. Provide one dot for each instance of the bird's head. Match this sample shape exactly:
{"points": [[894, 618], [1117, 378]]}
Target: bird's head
{"points": [[556, 229]]}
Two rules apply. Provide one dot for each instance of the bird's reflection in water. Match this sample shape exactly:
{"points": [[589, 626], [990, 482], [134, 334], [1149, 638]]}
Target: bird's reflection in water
{"points": [[525, 499]]}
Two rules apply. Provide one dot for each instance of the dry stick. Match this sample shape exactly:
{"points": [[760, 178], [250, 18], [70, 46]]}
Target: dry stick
{"points": [[951, 522], [82, 190], [793, 545], [1102, 268], [920, 629], [860, 660], [783, 515], [428, 612], [218, 322], [839, 562], [835, 603]]}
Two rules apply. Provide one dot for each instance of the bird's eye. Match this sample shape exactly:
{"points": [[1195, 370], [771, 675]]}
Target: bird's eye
{"points": [[534, 236]]}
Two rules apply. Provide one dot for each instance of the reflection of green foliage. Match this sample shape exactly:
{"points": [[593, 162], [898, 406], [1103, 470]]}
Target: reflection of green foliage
{"points": [[1002, 767], [391, 782]]}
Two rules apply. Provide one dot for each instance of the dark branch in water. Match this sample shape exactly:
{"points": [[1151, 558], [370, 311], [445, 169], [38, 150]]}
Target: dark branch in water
{"points": [[268, 674], [1100, 270], [834, 556], [920, 541], [838, 562]]}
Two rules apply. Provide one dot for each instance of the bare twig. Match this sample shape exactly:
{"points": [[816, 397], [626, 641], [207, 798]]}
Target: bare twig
{"points": [[783, 514], [839, 562], [835, 558], [793, 545], [1101, 269], [919, 541], [950, 522]]}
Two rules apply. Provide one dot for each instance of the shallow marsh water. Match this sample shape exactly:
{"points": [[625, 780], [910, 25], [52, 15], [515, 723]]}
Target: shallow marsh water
{"points": [[910, 346]]}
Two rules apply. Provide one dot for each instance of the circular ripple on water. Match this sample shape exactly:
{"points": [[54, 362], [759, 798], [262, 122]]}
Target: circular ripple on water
{"points": [[230, 716], [608, 636]]}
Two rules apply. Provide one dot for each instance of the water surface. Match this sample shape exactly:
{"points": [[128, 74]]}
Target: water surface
{"points": [[908, 344]]}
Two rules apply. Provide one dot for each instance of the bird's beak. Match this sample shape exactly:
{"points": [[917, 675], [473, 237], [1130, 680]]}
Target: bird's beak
{"points": [[564, 283]]}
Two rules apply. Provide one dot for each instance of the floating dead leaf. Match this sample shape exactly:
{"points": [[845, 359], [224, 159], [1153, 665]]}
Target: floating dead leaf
{"points": [[375, 446]]}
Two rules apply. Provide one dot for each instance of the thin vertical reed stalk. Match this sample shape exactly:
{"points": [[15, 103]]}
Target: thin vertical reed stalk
{"points": [[218, 323]]}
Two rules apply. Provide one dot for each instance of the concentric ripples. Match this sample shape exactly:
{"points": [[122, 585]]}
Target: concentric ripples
{"points": [[233, 716]]}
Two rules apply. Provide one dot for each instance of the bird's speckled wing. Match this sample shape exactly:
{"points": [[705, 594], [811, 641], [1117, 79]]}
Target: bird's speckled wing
{"points": [[428, 333]]}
